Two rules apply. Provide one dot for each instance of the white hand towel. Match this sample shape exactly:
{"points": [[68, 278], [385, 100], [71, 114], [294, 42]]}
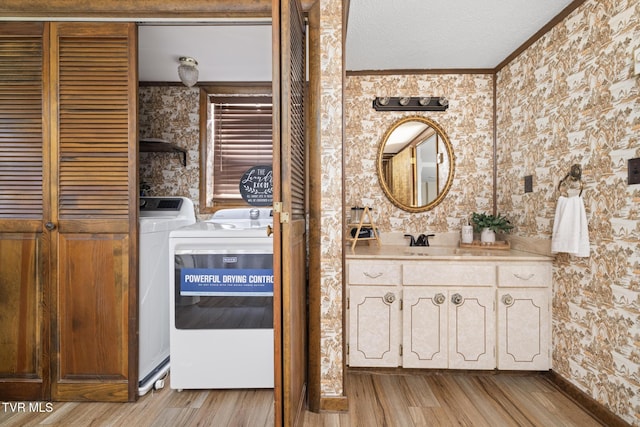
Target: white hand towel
{"points": [[570, 227]]}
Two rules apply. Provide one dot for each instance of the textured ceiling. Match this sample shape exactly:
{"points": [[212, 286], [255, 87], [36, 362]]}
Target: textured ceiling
{"points": [[381, 35], [225, 52], [421, 34]]}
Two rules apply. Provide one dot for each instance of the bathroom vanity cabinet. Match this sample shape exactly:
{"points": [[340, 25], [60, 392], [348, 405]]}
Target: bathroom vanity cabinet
{"points": [[448, 308]]}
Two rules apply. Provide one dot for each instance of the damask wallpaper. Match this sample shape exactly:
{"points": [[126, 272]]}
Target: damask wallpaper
{"points": [[571, 98]]}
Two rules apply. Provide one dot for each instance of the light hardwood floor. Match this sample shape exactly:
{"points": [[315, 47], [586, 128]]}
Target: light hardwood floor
{"points": [[376, 399]]}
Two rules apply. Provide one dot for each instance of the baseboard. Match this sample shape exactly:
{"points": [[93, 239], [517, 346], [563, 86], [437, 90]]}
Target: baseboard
{"points": [[596, 409], [334, 404]]}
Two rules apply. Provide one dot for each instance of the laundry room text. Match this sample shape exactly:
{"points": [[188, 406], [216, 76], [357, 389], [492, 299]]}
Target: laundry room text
{"points": [[226, 282]]}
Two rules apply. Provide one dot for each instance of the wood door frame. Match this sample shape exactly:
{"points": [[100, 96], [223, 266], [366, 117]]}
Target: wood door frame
{"points": [[314, 201], [53, 9]]}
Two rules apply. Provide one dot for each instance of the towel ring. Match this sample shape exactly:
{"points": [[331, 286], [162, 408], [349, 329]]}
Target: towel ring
{"points": [[575, 174]]}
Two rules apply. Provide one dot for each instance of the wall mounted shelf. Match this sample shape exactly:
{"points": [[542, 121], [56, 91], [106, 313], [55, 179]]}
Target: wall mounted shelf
{"points": [[161, 146]]}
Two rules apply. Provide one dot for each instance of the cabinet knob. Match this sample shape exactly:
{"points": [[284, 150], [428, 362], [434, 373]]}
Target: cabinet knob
{"points": [[389, 297], [507, 299], [439, 298], [456, 299], [50, 226]]}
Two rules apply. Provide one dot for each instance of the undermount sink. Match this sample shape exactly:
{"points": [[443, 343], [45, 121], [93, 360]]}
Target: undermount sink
{"points": [[431, 250]]}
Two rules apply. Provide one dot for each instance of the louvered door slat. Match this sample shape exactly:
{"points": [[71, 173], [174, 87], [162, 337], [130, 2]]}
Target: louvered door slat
{"points": [[20, 127], [93, 140], [296, 106]]}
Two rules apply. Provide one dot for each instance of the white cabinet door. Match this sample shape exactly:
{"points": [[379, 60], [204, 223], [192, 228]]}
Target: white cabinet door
{"points": [[424, 327], [445, 328], [524, 322], [472, 332], [374, 326]]}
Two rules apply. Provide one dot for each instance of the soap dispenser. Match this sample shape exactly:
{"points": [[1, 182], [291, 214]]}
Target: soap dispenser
{"points": [[467, 233]]}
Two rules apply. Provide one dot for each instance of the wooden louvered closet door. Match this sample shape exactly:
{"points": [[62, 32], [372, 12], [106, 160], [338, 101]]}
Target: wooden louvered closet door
{"points": [[290, 245], [68, 168], [94, 242], [24, 288]]}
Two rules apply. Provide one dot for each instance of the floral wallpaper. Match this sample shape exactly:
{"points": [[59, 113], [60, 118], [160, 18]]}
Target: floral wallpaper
{"points": [[331, 111], [468, 123], [572, 98], [170, 113]]}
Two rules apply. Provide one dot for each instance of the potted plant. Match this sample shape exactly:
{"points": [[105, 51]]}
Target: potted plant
{"points": [[487, 225]]}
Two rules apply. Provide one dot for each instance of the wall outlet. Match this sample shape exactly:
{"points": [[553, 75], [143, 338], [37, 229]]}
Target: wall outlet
{"points": [[528, 184], [633, 171]]}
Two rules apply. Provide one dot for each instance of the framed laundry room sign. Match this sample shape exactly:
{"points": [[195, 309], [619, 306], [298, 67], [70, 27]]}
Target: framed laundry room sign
{"points": [[256, 186]]}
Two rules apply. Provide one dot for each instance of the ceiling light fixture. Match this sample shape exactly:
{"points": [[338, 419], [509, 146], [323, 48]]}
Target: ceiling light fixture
{"points": [[188, 71], [404, 103]]}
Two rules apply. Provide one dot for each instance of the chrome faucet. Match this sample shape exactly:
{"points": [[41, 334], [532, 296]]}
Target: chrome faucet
{"points": [[422, 240]]}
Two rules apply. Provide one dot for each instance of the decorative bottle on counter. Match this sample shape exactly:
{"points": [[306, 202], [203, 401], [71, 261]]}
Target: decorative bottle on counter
{"points": [[467, 234]]}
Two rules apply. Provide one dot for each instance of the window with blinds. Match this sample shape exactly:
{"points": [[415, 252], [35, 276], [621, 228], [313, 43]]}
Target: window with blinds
{"points": [[240, 138]]}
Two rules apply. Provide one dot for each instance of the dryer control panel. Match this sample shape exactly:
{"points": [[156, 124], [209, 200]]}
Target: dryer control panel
{"points": [[171, 204]]}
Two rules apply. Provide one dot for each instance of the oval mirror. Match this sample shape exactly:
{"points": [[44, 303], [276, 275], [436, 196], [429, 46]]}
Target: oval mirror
{"points": [[415, 164]]}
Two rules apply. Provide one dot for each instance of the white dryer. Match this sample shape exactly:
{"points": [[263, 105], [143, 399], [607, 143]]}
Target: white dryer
{"points": [[157, 217], [221, 307]]}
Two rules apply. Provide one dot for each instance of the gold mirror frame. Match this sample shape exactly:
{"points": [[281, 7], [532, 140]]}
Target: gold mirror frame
{"points": [[449, 152]]}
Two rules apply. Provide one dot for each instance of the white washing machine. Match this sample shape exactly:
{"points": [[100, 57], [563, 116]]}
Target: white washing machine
{"points": [[221, 302], [157, 217]]}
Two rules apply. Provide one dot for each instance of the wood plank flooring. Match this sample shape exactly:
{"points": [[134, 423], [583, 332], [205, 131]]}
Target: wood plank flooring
{"points": [[453, 399], [376, 398]]}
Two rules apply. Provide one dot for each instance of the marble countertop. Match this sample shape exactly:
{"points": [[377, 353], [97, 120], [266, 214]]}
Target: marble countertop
{"points": [[440, 253]]}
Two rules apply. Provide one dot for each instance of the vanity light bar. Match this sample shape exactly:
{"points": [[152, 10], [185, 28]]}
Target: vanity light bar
{"points": [[414, 103]]}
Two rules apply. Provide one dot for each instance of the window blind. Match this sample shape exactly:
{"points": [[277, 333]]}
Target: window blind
{"points": [[242, 138]]}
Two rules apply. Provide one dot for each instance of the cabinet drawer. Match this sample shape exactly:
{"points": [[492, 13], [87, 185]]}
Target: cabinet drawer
{"points": [[374, 273], [435, 273], [524, 275]]}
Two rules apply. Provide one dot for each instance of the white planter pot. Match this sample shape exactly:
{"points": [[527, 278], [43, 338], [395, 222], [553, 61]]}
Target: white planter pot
{"points": [[487, 236]]}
